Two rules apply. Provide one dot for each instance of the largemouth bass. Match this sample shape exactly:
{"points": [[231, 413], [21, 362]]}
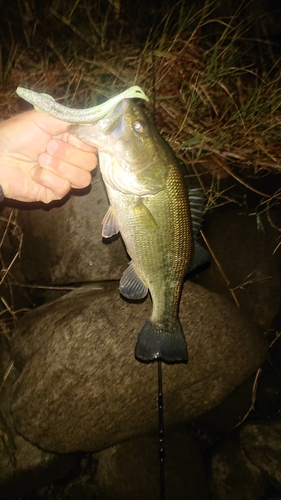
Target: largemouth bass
{"points": [[150, 206]]}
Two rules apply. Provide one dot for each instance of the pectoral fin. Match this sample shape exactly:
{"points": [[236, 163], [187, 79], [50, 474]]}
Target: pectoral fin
{"points": [[131, 285], [109, 223]]}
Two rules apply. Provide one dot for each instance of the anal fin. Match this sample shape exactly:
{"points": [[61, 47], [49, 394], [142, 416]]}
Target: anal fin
{"points": [[131, 286]]}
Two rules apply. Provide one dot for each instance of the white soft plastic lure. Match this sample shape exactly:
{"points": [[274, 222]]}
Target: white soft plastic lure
{"points": [[47, 104]]}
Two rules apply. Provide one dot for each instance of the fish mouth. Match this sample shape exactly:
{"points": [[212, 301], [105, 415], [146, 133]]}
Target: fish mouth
{"points": [[109, 129], [114, 124]]}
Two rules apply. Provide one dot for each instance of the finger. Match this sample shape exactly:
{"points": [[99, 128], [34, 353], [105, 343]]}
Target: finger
{"points": [[75, 176], [84, 156], [58, 187]]}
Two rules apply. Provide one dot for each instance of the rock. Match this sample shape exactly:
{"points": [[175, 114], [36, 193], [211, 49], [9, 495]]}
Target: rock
{"points": [[261, 442], [81, 388], [233, 476], [79, 484], [23, 467], [233, 409], [64, 244], [245, 254], [130, 470]]}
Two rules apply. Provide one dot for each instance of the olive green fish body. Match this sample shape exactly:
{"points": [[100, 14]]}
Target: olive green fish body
{"points": [[156, 230], [157, 233]]}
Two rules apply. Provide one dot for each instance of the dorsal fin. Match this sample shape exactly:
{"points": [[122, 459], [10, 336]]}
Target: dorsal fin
{"points": [[197, 203]]}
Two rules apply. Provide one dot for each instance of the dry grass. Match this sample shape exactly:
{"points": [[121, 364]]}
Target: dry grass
{"points": [[219, 112], [10, 248]]}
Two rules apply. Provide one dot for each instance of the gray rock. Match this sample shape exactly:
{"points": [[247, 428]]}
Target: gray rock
{"points": [[22, 465], [261, 442], [130, 470], [233, 476], [64, 244], [82, 389], [245, 254]]}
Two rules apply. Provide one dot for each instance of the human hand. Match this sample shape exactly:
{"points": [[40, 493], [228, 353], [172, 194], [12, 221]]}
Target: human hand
{"points": [[40, 160]]}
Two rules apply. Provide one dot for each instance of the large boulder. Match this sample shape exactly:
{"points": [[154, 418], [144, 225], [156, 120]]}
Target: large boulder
{"points": [[80, 387], [233, 476], [261, 442]]}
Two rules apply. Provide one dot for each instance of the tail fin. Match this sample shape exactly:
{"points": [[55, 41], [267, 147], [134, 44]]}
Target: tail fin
{"points": [[158, 344]]}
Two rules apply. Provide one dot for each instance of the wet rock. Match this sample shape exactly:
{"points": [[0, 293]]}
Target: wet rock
{"points": [[233, 476], [23, 467], [131, 469], [81, 388], [245, 253], [261, 442], [64, 244]]}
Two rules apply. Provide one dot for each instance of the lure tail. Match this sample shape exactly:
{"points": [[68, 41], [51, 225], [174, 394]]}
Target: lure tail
{"points": [[166, 344]]}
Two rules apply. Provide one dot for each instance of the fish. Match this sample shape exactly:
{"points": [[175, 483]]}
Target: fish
{"points": [[157, 217], [156, 213]]}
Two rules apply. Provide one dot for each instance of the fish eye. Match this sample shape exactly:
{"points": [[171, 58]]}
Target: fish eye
{"points": [[138, 126]]}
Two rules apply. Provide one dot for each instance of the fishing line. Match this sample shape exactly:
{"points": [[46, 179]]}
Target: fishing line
{"points": [[161, 433], [159, 362]]}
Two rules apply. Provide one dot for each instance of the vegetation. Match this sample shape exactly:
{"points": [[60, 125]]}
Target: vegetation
{"points": [[212, 75], [213, 81]]}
